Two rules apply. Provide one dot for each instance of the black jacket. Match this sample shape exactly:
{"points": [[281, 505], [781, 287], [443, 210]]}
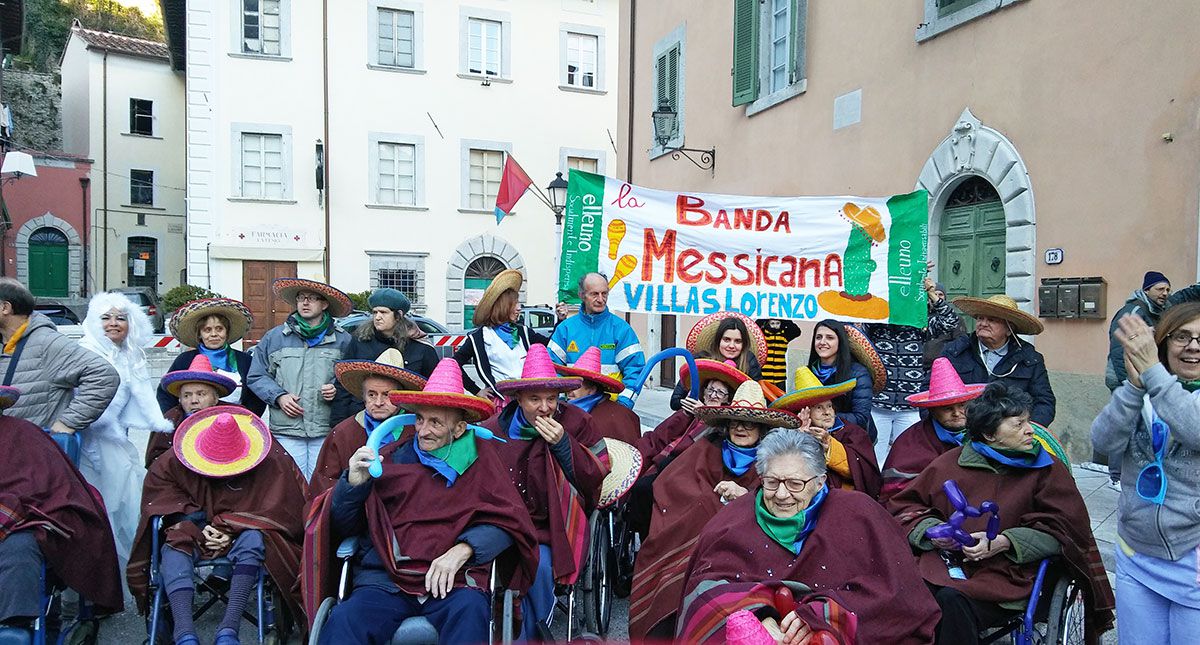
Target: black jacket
{"points": [[250, 400], [418, 357], [1023, 368], [472, 350]]}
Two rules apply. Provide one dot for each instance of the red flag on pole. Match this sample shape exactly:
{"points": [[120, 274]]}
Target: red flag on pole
{"points": [[513, 184]]}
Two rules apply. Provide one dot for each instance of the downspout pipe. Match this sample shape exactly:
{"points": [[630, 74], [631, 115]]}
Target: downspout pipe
{"points": [[85, 187], [104, 173], [328, 142]]}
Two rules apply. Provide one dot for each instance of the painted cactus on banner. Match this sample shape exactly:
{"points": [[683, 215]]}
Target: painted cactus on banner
{"points": [[851, 258]]}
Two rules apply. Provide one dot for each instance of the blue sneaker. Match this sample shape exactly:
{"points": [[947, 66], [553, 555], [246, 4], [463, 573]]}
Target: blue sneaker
{"points": [[187, 639], [227, 636]]}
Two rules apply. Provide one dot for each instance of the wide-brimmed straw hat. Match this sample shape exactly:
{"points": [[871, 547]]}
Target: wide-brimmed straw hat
{"points": [[748, 404], [286, 290], [389, 365], [725, 372], [445, 390], [864, 352], [185, 322], [200, 371], [8, 396], [1002, 307], [626, 464], [505, 280], [538, 374], [946, 387], [809, 390], [704, 333], [222, 441], [588, 368]]}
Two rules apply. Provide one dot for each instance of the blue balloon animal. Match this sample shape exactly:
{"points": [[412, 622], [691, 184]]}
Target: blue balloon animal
{"points": [[655, 360], [394, 426]]}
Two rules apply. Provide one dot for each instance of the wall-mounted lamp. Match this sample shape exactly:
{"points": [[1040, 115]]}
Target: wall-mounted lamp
{"points": [[666, 126]]}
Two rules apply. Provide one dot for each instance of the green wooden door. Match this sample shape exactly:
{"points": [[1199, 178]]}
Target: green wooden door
{"points": [[48, 263], [971, 255]]}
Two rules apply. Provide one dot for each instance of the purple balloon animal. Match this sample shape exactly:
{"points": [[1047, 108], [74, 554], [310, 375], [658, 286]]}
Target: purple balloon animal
{"points": [[962, 510]]}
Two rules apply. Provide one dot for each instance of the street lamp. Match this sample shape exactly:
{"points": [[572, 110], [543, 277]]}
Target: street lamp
{"points": [[666, 126], [557, 190]]}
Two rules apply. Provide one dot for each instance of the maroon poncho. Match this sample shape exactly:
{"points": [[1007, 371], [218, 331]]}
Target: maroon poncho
{"points": [[684, 502], [860, 454], [616, 421], [268, 498], [346, 438], [855, 557], [912, 451], [668, 439], [41, 492], [558, 508], [412, 515], [1045, 499]]}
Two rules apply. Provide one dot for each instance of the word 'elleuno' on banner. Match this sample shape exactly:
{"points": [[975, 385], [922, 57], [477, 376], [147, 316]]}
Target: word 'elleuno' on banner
{"points": [[858, 259]]}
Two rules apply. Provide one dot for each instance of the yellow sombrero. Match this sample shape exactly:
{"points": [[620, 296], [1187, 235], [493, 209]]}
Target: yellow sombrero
{"points": [[810, 391], [222, 441]]}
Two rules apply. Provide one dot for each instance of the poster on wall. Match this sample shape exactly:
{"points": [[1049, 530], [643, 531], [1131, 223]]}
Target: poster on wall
{"points": [[859, 259]]}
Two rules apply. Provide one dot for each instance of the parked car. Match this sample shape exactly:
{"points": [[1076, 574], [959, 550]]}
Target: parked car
{"points": [[59, 314], [148, 300], [540, 318]]}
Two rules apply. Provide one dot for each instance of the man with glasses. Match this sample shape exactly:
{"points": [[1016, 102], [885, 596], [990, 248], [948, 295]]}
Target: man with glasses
{"points": [[292, 367]]}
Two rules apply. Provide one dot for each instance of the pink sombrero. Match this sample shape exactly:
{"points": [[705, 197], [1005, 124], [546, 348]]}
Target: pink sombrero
{"points": [[748, 404], [185, 322], [8, 396], [389, 365], [946, 387], [704, 332], [588, 368], [864, 352], [538, 374], [222, 441], [445, 390], [287, 288], [200, 371], [809, 390], [725, 372]]}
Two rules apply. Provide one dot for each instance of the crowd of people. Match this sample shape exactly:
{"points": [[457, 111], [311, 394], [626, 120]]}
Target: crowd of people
{"points": [[826, 504]]}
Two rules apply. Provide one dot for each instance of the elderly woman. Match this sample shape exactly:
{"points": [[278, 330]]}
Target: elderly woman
{"points": [[498, 344], [837, 552], [210, 326], [117, 329], [1041, 515], [717, 469], [1152, 425], [594, 396]]}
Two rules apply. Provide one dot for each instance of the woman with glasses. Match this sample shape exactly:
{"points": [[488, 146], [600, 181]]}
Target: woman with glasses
{"points": [[981, 582], [846, 569], [1152, 424], [717, 469]]}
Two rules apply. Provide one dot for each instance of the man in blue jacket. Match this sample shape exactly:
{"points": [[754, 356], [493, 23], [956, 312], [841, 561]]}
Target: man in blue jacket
{"points": [[620, 350]]}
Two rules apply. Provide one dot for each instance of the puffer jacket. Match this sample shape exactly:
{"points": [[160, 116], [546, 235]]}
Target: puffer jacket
{"points": [[1138, 304], [1023, 367], [283, 363], [620, 350], [59, 380]]}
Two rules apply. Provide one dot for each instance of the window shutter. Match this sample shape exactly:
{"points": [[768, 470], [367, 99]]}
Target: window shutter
{"points": [[673, 77], [660, 80], [745, 51]]}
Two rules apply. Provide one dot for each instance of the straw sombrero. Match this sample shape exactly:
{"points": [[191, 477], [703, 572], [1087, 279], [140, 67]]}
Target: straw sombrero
{"points": [[704, 332], [389, 365], [538, 374], [185, 322], [810, 391], [222, 441], [749, 404], [626, 466], [1002, 307], [945, 387], [864, 352], [200, 371], [287, 288], [445, 390], [725, 372], [8, 396], [505, 280], [588, 368]]}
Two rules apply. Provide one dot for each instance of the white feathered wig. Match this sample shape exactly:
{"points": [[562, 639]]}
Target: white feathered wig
{"points": [[131, 352]]}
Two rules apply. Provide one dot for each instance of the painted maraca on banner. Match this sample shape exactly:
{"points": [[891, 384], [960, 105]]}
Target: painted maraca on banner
{"points": [[625, 266], [616, 233]]}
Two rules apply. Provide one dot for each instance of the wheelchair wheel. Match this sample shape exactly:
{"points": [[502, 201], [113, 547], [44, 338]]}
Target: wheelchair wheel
{"points": [[597, 610], [319, 620], [1067, 615]]}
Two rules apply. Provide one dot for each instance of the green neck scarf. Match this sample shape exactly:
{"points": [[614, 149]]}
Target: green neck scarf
{"points": [[452, 459], [1190, 386], [307, 331], [784, 530]]}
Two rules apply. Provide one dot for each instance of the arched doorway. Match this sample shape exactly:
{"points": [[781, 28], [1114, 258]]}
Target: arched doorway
{"points": [[972, 248], [49, 263], [478, 276]]}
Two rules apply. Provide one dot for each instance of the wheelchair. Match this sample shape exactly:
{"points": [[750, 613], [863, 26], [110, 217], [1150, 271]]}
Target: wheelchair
{"points": [[416, 630], [1056, 613], [270, 617]]}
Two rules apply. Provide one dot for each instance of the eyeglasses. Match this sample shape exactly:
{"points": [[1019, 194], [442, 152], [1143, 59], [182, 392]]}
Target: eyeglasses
{"points": [[1182, 338], [716, 391], [308, 298], [1152, 480], [745, 425], [792, 485]]}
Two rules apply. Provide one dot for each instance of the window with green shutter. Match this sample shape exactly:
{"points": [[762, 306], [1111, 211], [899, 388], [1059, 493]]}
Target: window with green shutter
{"points": [[745, 51], [670, 76], [768, 52]]}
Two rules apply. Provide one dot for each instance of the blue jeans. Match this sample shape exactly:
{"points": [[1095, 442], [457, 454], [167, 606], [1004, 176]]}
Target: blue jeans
{"points": [[538, 604], [371, 615], [1158, 601], [20, 576]]}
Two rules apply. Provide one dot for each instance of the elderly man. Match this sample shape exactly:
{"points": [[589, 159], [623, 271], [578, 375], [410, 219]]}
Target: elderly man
{"points": [[995, 353], [373, 381], [292, 368], [595, 326], [612, 419], [427, 528], [553, 457], [1148, 304], [65, 387], [197, 388]]}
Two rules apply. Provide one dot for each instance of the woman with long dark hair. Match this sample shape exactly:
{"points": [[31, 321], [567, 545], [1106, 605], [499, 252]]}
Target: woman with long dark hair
{"points": [[831, 357], [724, 336]]}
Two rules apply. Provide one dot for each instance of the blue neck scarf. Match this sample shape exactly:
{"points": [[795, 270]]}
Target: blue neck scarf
{"points": [[947, 437], [369, 423], [461, 452], [838, 424], [221, 359], [507, 333], [1037, 458], [737, 459], [519, 428], [823, 372], [587, 403]]}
